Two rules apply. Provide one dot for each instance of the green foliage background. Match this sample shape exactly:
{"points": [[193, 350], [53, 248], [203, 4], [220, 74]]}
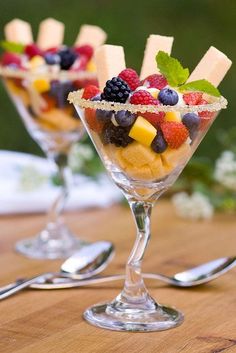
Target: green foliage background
{"points": [[195, 25]]}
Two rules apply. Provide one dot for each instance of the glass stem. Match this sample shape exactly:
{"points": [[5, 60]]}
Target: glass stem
{"points": [[134, 289], [61, 161]]}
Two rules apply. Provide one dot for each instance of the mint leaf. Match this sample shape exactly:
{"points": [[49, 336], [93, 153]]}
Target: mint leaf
{"points": [[12, 47], [202, 86], [172, 69]]}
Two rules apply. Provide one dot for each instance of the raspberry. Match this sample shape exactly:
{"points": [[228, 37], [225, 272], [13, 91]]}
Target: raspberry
{"points": [[32, 50], [10, 59], [85, 50], [116, 90], [174, 133], [130, 76], [90, 91], [143, 97], [192, 98], [155, 81]]}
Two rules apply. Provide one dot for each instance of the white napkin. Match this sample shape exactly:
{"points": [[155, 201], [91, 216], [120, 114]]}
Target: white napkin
{"points": [[25, 186]]}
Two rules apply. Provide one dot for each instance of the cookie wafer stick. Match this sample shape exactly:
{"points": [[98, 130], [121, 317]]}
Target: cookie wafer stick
{"points": [[92, 35], [212, 67], [153, 45], [18, 31], [51, 34], [110, 61]]}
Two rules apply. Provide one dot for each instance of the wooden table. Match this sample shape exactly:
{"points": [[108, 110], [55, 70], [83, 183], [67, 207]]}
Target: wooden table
{"points": [[41, 321]]}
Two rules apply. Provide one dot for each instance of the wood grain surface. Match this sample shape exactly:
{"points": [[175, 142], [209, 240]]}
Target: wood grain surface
{"points": [[36, 321]]}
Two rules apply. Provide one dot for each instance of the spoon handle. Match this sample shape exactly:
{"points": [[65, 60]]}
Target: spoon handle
{"points": [[12, 289]]}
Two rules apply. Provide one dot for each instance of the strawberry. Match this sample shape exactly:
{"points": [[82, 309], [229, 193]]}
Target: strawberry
{"points": [[174, 133], [192, 98], [93, 122], [90, 91], [156, 119], [85, 50]]}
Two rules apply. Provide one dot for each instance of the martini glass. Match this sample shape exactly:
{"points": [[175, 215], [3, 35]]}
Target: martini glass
{"points": [[41, 101], [143, 176]]}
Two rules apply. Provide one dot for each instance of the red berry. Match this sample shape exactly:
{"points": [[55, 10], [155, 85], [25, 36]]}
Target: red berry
{"points": [[205, 114], [131, 77], [32, 50], [192, 98], [90, 91], [52, 50], [156, 119], [155, 81], [93, 122], [143, 97], [85, 50], [174, 133], [10, 59]]}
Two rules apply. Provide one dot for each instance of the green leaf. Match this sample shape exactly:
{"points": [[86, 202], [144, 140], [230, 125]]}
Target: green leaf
{"points": [[202, 86], [12, 47], [172, 69]]}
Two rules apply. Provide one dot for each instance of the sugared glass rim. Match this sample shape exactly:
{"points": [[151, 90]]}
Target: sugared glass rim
{"points": [[216, 105], [62, 75]]}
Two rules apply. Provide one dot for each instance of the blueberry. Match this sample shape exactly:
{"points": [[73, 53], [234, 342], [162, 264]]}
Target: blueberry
{"points": [[52, 59], [104, 115], [159, 144], [67, 58], [192, 122], [124, 118], [168, 96], [60, 90]]}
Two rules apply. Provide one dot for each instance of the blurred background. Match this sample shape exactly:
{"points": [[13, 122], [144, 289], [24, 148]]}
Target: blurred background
{"points": [[195, 25]]}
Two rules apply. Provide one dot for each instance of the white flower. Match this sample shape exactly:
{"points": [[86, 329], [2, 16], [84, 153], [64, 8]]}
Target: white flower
{"points": [[225, 170], [195, 206], [79, 155]]}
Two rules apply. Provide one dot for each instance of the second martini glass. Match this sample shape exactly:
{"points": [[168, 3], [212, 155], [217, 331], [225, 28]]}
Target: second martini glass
{"points": [[51, 121], [143, 176]]}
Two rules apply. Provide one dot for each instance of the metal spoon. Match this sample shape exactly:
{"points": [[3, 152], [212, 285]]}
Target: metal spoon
{"points": [[190, 278], [87, 262]]}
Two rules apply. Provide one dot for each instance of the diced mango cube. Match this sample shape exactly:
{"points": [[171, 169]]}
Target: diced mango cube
{"points": [[36, 61], [174, 157], [41, 85], [138, 155], [141, 173], [142, 131], [91, 67], [173, 116], [157, 168]]}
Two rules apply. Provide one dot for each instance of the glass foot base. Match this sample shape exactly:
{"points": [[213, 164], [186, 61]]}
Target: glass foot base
{"points": [[162, 318], [33, 248]]}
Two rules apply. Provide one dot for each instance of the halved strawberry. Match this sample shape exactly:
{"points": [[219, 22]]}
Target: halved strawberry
{"points": [[174, 133]]}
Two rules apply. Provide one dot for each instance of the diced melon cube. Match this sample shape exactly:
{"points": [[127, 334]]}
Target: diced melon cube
{"points": [[157, 168], [142, 131], [141, 173], [138, 155], [173, 116], [173, 157], [41, 85]]}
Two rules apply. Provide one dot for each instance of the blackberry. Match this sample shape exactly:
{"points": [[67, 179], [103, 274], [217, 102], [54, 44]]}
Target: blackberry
{"points": [[117, 135], [116, 90]]}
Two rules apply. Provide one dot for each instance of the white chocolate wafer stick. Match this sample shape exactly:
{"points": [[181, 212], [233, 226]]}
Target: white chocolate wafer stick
{"points": [[212, 67], [110, 61], [92, 35], [154, 44], [51, 34], [18, 31]]}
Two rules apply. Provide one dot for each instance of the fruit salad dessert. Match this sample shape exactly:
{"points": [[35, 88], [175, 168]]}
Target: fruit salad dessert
{"points": [[144, 125], [39, 75]]}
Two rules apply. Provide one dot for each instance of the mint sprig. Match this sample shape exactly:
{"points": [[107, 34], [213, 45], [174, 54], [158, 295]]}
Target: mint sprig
{"points": [[177, 75], [201, 85], [172, 69], [12, 47]]}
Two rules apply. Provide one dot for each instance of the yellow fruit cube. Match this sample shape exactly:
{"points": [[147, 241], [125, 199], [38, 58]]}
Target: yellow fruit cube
{"points": [[157, 168], [36, 61], [138, 155], [174, 157], [142, 131], [154, 92], [41, 85], [91, 67], [141, 173], [173, 116]]}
